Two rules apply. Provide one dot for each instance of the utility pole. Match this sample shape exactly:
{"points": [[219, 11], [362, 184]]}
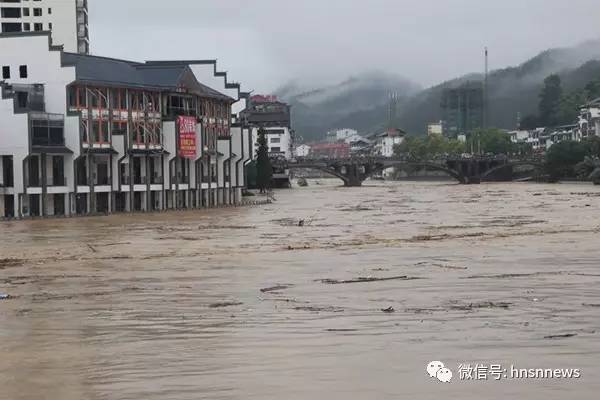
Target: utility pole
{"points": [[486, 93]]}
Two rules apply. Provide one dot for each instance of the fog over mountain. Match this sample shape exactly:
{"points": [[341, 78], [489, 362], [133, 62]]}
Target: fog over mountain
{"points": [[362, 102], [513, 91], [316, 110]]}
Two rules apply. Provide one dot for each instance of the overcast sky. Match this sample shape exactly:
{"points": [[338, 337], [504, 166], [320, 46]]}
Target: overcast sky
{"points": [[265, 43]]}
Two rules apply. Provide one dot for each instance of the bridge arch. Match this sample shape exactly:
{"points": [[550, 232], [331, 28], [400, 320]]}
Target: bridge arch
{"points": [[390, 164], [322, 168], [538, 167]]}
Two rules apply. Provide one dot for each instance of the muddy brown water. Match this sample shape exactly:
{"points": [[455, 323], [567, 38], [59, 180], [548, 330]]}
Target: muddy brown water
{"points": [[169, 306]]}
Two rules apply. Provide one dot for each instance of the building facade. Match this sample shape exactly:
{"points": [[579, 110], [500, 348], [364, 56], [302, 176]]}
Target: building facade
{"points": [[341, 135], [86, 135], [589, 119], [386, 141], [266, 112], [330, 150], [66, 19], [436, 128], [302, 151]]}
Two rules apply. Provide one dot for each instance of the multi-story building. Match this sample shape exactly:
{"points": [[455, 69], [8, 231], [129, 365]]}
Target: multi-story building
{"points": [[266, 112], [589, 119], [462, 109], [435, 128], [338, 135], [386, 141], [66, 19], [302, 151], [82, 134]]}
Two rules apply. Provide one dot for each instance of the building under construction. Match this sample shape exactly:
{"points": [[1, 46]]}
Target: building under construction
{"points": [[463, 109]]}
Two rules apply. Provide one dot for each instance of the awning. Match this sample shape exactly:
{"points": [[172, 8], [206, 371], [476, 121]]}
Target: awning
{"points": [[51, 150], [148, 151], [101, 151]]}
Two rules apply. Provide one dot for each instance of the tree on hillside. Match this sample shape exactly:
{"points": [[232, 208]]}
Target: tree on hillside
{"points": [[423, 148], [529, 122], [264, 169], [562, 158], [550, 101], [494, 141]]}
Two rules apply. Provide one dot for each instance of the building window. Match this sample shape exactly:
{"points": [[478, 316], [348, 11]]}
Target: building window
{"points": [[8, 27], [37, 12], [9, 12], [26, 27], [23, 71], [38, 27], [50, 26], [49, 11], [26, 12], [5, 72], [275, 140], [275, 149]]}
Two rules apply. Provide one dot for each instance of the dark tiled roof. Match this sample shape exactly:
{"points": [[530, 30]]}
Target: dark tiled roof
{"points": [[113, 72]]}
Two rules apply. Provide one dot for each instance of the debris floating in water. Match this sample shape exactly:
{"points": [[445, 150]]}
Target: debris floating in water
{"points": [[366, 279], [275, 288], [4, 296], [225, 304], [565, 336], [388, 310]]}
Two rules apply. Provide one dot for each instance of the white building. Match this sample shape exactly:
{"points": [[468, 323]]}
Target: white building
{"points": [[302, 151], [436, 128], [589, 119], [338, 135], [86, 135], [273, 116], [279, 140], [519, 136], [66, 19], [359, 145], [385, 142]]}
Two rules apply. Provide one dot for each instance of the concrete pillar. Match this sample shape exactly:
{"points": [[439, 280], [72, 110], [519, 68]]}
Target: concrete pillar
{"points": [[44, 181]]}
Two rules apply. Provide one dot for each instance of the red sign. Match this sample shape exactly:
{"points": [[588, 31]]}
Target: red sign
{"points": [[187, 137]]}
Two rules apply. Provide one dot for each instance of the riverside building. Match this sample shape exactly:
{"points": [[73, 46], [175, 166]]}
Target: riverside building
{"points": [[83, 134]]}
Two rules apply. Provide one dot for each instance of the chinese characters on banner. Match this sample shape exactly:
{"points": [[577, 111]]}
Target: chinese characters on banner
{"points": [[187, 136]]}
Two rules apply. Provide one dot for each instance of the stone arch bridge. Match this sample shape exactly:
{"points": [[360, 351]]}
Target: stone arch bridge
{"points": [[466, 170]]}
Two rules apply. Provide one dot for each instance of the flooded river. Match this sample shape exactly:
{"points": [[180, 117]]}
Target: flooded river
{"points": [[170, 306]]}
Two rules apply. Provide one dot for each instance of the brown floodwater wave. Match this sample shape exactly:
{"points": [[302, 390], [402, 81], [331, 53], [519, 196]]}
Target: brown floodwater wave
{"points": [[352, 303]]}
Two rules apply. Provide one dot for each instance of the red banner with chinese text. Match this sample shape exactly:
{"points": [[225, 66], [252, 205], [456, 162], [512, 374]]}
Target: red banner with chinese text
{"points": [[187, 136]]}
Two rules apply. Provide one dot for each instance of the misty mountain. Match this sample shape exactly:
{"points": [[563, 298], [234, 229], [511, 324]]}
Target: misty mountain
{"points": [[362, 102], [358, 102], [513, 91]]}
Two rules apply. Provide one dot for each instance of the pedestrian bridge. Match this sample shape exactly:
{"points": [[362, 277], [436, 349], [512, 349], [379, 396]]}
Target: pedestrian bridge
{"points": [[466, 170]]}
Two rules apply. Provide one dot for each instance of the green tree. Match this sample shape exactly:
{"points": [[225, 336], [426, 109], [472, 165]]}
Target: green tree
{"points": [[563, 157], [423, 148], [550, 101], [568, 109], [529, 122], [494, 141], [264, 169]]}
